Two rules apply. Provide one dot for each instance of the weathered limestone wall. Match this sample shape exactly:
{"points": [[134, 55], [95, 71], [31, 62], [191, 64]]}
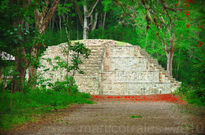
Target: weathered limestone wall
{"points": [[114, 68]]}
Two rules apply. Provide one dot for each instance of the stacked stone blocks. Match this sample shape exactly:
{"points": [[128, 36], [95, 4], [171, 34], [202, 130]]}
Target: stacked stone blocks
{"points": [[114, 70]]}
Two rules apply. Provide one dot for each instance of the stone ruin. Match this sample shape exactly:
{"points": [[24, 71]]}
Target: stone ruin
{"points": [[113, 68]]}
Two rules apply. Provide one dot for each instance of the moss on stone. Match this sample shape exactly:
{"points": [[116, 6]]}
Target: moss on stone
{"points": [[120, 43]]}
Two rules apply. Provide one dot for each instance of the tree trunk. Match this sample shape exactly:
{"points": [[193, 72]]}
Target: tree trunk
{"points": [[95, 21], [169, 53], [1, 73], [87, 14], [104, 17], [21, 61], [53, 23], [60, 23], [21, 65], [77, 34], [41, 22], [32, 68], [85, 23], [169, 63]]}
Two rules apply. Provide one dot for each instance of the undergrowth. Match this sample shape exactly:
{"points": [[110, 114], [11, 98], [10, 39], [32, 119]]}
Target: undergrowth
{"points": [[192, 95], [20, 107]]}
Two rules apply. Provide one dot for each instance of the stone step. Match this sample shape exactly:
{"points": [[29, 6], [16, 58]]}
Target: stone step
{"points": [[90, 68], [176, 84], [95, 47], [94, 44], [96, 54], [161, 69], [154, 62], [92, 61], [172, 79], [90, 64], [142, 50], [82, 76], [96, 50], [90, 72], [92, 58], [98, 60], [144, 53]]}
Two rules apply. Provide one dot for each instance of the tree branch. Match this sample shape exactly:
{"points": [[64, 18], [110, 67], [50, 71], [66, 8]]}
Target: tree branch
{"points": [[165, 8], [123, 8], [50, 13], [92, 8], [42, 19], [78, 12]]}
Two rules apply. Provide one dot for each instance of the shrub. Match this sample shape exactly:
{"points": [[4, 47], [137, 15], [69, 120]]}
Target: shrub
{"points": [[193, 95]]}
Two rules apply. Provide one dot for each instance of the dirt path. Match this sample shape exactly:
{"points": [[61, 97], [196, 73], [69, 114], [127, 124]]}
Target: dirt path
{"points": [[106, 117]]}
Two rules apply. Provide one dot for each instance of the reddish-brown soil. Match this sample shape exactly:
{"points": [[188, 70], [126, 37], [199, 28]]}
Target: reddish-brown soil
{"points": [[153, 98]]}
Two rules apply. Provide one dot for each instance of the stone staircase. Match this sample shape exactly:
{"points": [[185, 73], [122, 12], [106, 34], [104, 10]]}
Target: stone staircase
{"points": [[90, 80], [174, 84], [143, 78]]}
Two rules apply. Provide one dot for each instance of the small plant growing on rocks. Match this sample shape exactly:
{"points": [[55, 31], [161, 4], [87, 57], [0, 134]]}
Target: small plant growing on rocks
{"points": [[74, 53]]}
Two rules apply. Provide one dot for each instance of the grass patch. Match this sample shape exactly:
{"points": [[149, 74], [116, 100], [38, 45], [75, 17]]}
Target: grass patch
{"points": [[136, 116], [19, 107], [120, 43]]}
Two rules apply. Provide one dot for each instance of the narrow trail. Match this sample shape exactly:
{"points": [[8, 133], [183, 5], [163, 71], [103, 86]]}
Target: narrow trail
{"points": [[113, 118]]}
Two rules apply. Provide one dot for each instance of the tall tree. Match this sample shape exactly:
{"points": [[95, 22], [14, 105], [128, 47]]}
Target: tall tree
{"points": [[87, 14], [15, 36], [42, 19], [19, 38]]}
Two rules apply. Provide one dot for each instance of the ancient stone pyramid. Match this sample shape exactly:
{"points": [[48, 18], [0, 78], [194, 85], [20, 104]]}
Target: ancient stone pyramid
{"points": [[113, 68]]}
